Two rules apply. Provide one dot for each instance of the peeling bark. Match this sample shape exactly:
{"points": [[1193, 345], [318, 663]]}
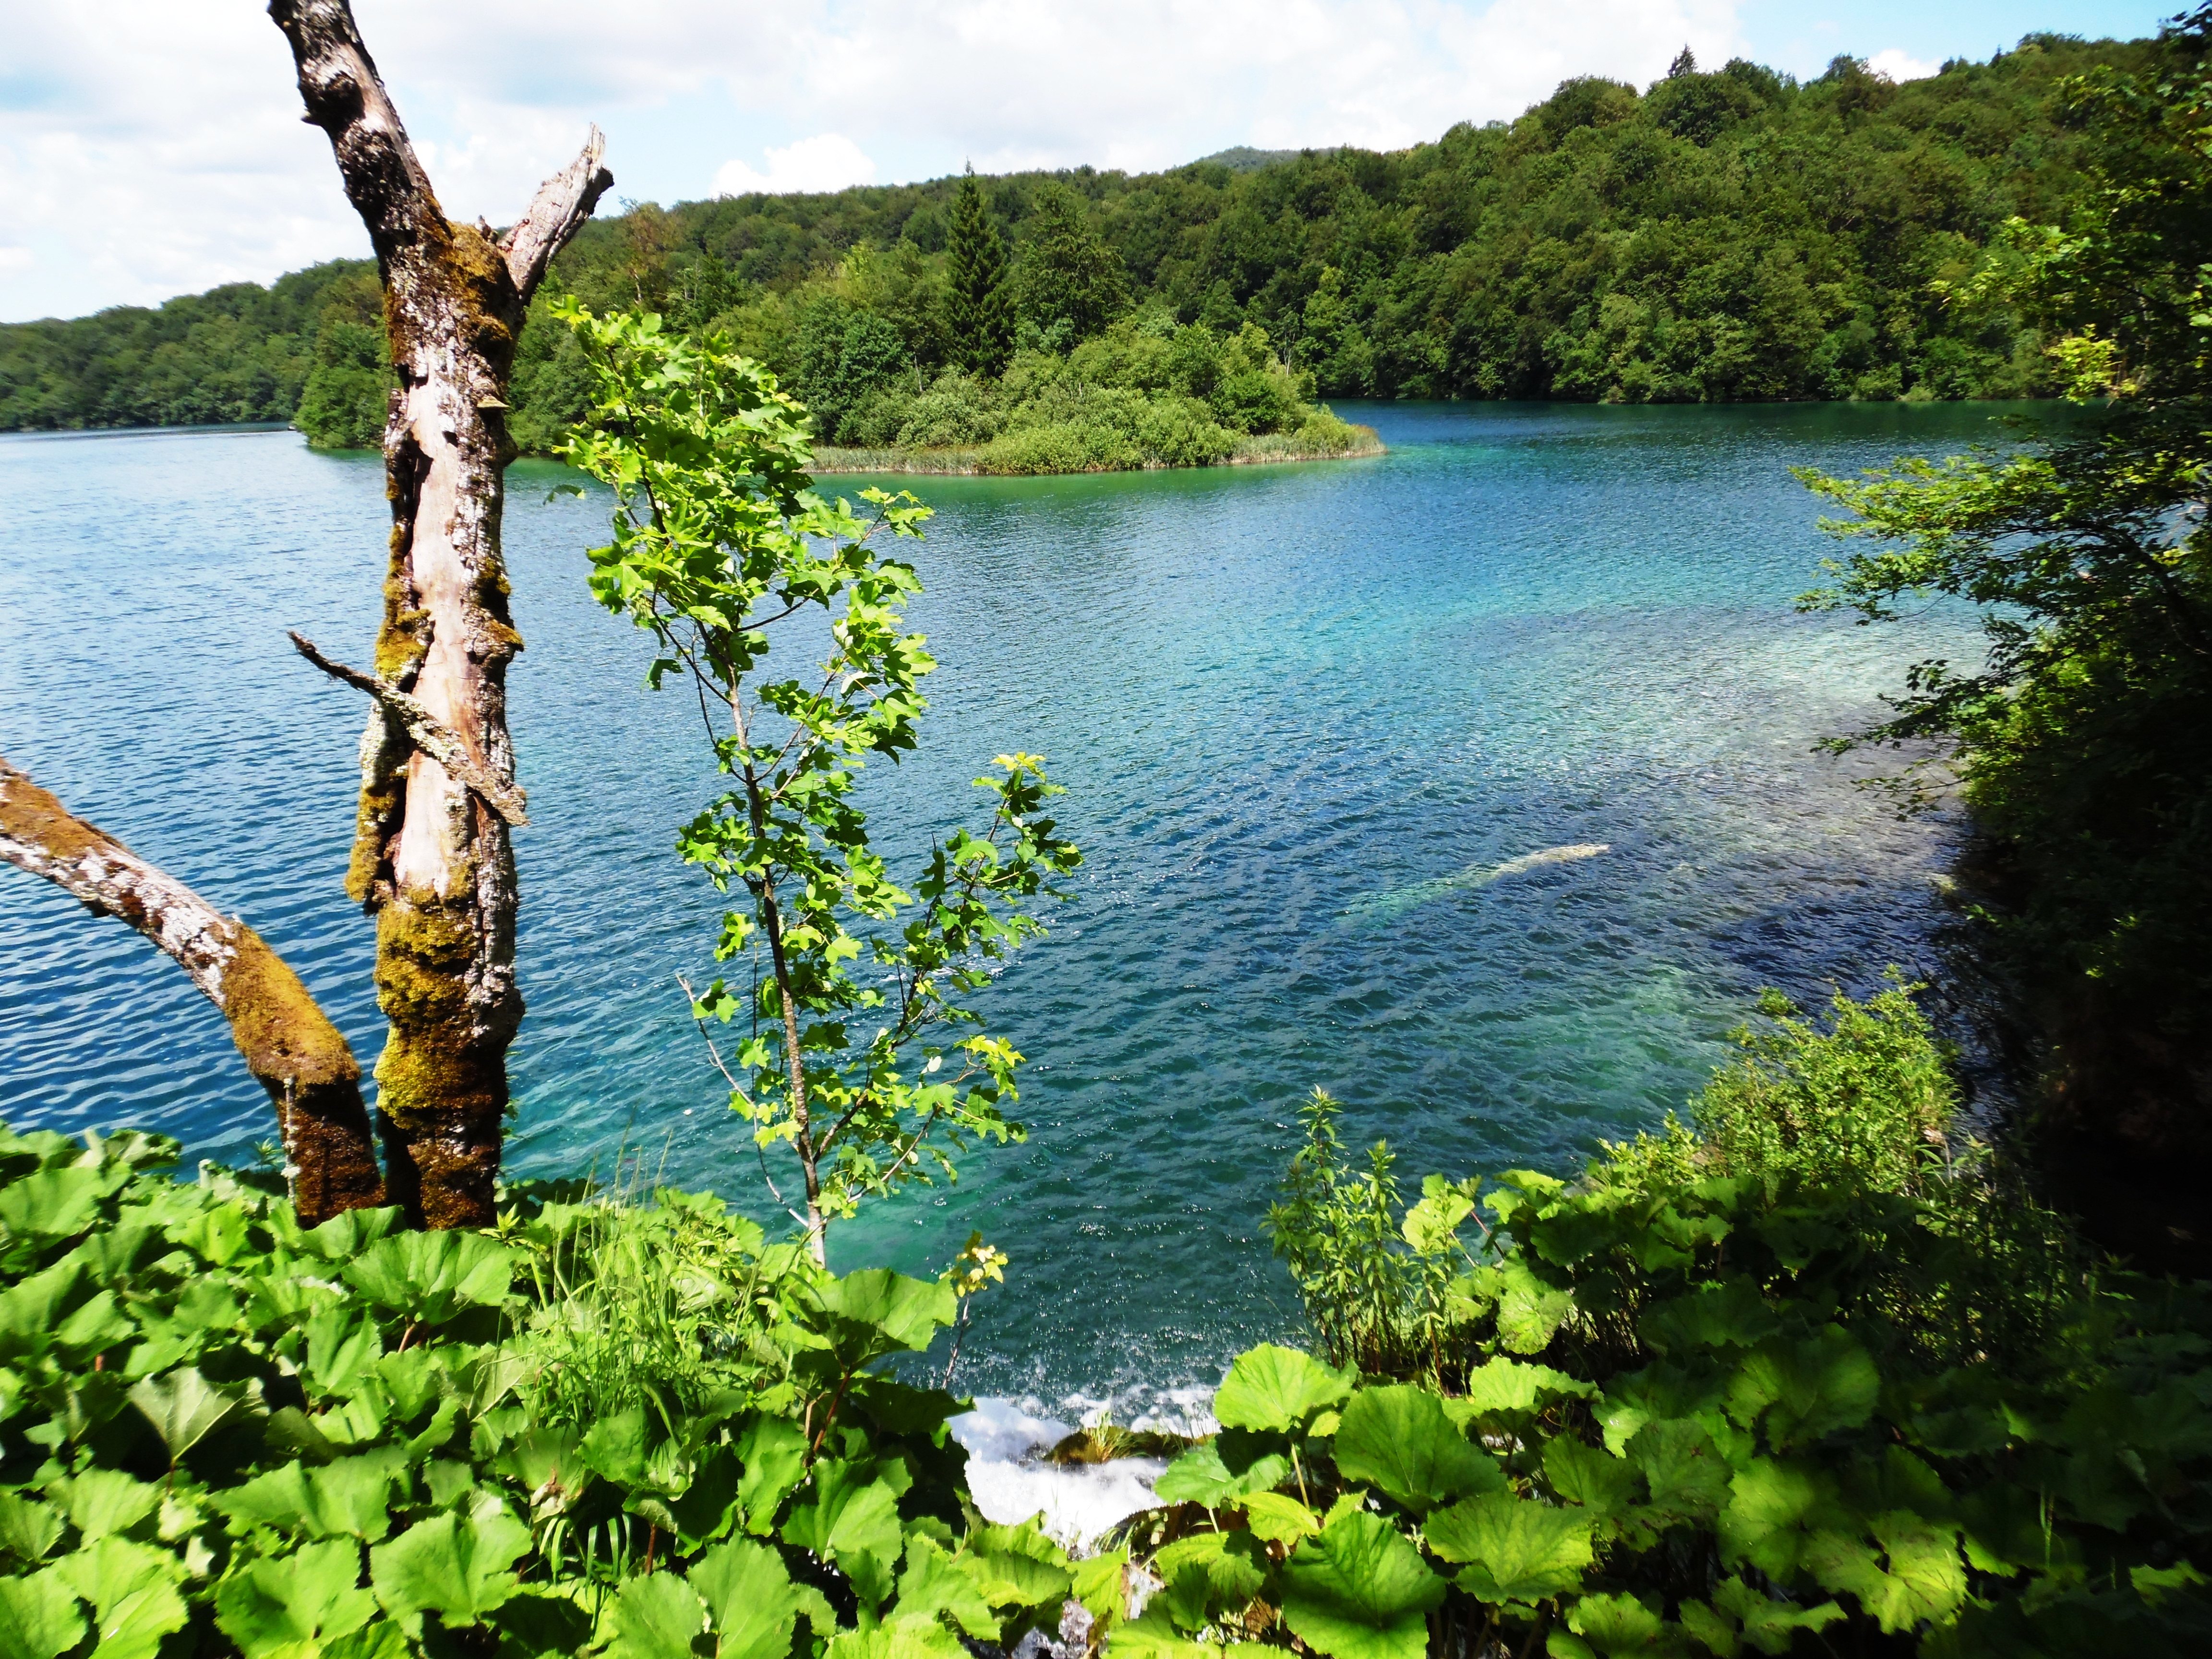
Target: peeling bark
{"points": [[287, 1041], [432, 860]]}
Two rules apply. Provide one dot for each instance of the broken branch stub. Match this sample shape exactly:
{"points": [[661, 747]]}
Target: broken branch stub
{"points": [[432, 859], [288, 1043]]}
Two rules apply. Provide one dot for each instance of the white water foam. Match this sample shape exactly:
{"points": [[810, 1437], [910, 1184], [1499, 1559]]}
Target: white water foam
{"points": [[1011, 1480]]}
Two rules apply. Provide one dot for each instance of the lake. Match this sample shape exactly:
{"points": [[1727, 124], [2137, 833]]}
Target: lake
{"points": [[1303, 714]]}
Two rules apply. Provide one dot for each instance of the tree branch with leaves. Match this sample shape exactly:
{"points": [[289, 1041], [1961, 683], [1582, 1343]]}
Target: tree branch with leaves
{"points": [[720, 538]]}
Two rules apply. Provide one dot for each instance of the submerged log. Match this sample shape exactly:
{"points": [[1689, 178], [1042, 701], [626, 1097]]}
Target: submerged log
{"points": [[432, 860], [287, 1041]]}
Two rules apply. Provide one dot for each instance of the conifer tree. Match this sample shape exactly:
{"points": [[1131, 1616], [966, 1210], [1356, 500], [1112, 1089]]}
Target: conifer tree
{"points": [[980, 317]]}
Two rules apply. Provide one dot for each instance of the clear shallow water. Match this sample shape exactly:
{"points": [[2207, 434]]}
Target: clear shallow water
{"points": [[1291, 704]]}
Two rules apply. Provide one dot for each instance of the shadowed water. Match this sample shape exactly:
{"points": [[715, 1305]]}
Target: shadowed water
{"points": [[1474, 783]]}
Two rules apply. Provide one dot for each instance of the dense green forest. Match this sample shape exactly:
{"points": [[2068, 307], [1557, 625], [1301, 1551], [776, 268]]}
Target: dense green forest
{"points": [[1722, 236]]}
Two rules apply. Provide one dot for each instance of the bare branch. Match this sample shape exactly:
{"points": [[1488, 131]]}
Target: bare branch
{"points": [[288, 1043], [440, 742], [345, 97], [563, 204]]}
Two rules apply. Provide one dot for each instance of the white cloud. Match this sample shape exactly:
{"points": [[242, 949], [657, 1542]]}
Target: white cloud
{"points": [[828, 161], [1897, 67]]}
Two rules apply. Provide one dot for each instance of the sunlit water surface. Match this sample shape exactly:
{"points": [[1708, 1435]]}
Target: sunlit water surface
{"points": [[1300, 713]]}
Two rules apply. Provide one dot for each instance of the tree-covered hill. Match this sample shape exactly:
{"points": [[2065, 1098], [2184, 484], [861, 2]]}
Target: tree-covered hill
{"points": [[1732, 235]]}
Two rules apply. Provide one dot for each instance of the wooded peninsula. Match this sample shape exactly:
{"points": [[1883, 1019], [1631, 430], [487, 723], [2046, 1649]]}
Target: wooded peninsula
{"points": [[1728, 235]]}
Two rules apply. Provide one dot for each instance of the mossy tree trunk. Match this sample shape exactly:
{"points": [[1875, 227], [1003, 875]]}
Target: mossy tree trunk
{"points": [[432, 859], [288, 1043]]}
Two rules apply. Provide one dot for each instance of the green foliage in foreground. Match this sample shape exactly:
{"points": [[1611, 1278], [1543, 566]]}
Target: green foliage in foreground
{"points": [[718, 540], [1821, 1402], [619, 1429]]}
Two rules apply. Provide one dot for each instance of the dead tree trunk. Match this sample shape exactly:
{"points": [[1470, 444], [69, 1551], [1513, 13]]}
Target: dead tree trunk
{"points": [[431, 856], [288, 1043]]}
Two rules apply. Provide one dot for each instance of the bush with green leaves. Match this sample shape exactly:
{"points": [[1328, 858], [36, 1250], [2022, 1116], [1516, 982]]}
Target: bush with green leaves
{"points": [[222, 1434], [1717, 1397]]}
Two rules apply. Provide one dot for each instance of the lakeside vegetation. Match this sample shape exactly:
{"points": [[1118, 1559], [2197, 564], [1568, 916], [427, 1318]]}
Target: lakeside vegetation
{"points": [[1816, 1372], [1723, 234]]}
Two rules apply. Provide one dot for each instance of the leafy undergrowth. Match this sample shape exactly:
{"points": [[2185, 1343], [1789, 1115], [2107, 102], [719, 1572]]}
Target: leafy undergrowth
{"points": [[1806, 1380], [634, 1429]]}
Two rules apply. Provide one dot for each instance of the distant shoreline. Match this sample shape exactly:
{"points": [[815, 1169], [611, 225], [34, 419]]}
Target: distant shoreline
{"points": [[1268, 449]]}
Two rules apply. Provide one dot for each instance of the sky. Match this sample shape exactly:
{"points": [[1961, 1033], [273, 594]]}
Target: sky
{"points": [[150, 148]]}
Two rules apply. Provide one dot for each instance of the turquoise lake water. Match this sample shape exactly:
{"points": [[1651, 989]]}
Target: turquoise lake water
{"points": [[1301, 712]]}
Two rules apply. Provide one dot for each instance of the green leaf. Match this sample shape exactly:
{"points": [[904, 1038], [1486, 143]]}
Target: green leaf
{"points": [[532, 1624], [39, 1616], [28, 1528], [1729, 1314], [1769, 1625], [1280, 1518], [1200, 1476], [1591, 1476], [1101, 1585], [853, 1523], [99, 1502], [931, 1584], [1687, 1475], [453, 1566], [1400, 1438], [1360, 1591], [1923, 1578], [616, 1449], [1508, 1385], [348, 1234], [1153, 1637], [1513, 1549], [184, 1407], [1018, 1567], [1432, 1225], [1806, 1389], [1273, 1387], [1207, 1574], [429, 1276], [876, 1311], [133, 1590], [918, 1640], [1617, 1625], [53, 1203], [658, 1616], [1774, 1509], [279, 1605], [774, 1457], [344, 1499], [1529, 1311]]}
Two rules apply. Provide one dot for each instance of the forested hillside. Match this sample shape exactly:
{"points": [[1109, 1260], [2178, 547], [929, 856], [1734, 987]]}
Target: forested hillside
{"points": [[1719, 235]]}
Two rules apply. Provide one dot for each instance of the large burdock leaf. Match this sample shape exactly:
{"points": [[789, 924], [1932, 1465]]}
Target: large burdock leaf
{"points": [[1739, 1614], [1209, 1573], [1018, 1566], [852, 1522], [1278, 1388], [1360, 1591], [899, 1639], [452, 1565], [1200, 1476], [39, 1616], [1806, 1389], [285, 1604], [876, 1311], [1685, 1471], [344, 1499], [101, 1502], [431, 1277], [1614, 1625], [1924, 1577], [133, 1591], [752, 1603], [1512, 1550], [185, 1407], [655, 1617], [1506, 1385], [1401, 1438], [932, 1585]]}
